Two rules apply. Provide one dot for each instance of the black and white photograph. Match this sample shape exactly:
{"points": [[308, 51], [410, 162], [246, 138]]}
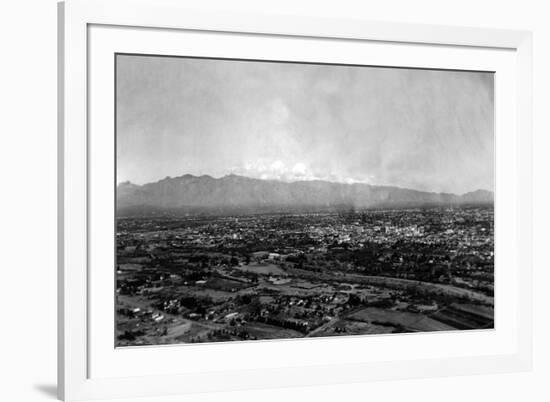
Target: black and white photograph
{"points": [[275, 201], [261, 200]]}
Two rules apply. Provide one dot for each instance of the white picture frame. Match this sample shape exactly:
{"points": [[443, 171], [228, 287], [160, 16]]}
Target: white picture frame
{"points": [[86, 370]]}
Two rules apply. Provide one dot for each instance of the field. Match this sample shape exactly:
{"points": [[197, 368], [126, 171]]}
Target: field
{"points": [[262, 269], [260, 330], [407, 321]]}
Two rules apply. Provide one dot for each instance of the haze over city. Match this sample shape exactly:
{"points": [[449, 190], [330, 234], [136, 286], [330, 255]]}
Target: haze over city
{"points": [[420, 129]]}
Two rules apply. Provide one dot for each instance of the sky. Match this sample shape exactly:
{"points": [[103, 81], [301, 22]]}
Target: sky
{"points": [[429, 130]]}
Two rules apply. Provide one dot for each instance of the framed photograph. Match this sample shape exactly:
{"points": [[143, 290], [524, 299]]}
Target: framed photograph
{"points": [[255, 201]]}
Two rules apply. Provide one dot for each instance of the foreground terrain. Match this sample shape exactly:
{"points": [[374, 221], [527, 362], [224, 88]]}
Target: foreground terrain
{"points": [[208, 279]]}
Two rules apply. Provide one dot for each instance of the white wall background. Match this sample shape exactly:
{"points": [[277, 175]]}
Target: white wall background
{"points": [[28, 198]]}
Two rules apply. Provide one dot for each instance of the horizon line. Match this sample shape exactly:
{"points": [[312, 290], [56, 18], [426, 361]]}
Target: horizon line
{"points": [[299, 181]]}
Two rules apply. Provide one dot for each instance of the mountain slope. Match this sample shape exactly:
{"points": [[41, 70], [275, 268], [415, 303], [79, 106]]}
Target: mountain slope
{"points": [[242, 194]]}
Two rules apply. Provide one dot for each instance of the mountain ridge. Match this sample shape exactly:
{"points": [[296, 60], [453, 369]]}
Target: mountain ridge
{"points": [[234, 193]]}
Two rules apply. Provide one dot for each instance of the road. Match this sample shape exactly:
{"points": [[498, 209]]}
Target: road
{"points": [[392, 283]]}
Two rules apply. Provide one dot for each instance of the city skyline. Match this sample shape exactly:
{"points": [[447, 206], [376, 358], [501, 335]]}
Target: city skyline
{"points": [[428, 130]]}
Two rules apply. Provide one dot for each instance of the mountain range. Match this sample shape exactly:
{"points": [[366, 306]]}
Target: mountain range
{"points": [[190, 194]]}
